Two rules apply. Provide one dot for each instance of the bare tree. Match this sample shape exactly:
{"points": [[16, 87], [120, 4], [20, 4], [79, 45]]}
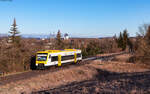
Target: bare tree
{"points": [[142, 44]]}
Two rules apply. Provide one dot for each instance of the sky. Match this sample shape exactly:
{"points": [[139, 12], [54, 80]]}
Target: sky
{"points": [[78, 18]]}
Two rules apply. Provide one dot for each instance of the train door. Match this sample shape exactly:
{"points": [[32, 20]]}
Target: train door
{"points": [[54, 60], [49, 60]]}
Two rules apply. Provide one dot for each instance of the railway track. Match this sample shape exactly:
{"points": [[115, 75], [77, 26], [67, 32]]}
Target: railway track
{"points": [[26, 75]]}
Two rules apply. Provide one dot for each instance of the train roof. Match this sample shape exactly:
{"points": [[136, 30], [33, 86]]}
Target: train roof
{"points": [[57, 51]]}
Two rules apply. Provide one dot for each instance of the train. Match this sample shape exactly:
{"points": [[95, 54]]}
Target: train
{"points": [[49, 58]]}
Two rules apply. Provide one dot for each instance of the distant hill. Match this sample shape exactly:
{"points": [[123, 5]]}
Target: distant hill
{"points": [[29, 35], [3, 35], [35, 36]]}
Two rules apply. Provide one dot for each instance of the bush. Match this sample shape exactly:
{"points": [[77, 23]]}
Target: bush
{"points": [[17, 57], [142, 52]]}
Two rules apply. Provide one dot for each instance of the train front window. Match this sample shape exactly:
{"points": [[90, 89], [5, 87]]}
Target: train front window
{"points": [[41, 57]]}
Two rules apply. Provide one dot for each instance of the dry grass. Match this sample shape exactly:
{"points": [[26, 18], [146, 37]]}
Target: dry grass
{"points": [[8, 74], [123, 58], [66, 76], [49, 80], [119, 67]]}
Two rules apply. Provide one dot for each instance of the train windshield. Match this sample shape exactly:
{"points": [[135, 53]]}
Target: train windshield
{"points": [[42, 56]]}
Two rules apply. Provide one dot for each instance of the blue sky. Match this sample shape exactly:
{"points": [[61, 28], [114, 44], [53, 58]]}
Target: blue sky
{"points": [[80, 18]]}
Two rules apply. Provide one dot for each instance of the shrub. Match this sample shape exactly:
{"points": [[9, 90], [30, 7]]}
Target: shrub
{"points": [[142, 52]]}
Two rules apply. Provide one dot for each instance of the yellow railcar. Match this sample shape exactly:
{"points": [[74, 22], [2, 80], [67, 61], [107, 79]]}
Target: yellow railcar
{"points": [[57, 57]]}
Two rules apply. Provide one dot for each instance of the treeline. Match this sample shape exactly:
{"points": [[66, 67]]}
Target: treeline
{"points": [[124, 41], [88, 47], [138, 46]]}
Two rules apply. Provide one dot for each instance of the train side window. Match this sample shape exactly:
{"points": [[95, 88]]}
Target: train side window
{"points": [[54, 58], [78, 55], [67, 57]]}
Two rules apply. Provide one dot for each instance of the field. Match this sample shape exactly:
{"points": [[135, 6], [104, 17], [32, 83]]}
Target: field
{"points": [[115, 76]]}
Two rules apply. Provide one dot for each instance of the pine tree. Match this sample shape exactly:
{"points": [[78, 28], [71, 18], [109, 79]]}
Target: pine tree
{"points": [[14, 32], [125, 39], [59, 42], [120, 40], [115, 38], [58, 37]]}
